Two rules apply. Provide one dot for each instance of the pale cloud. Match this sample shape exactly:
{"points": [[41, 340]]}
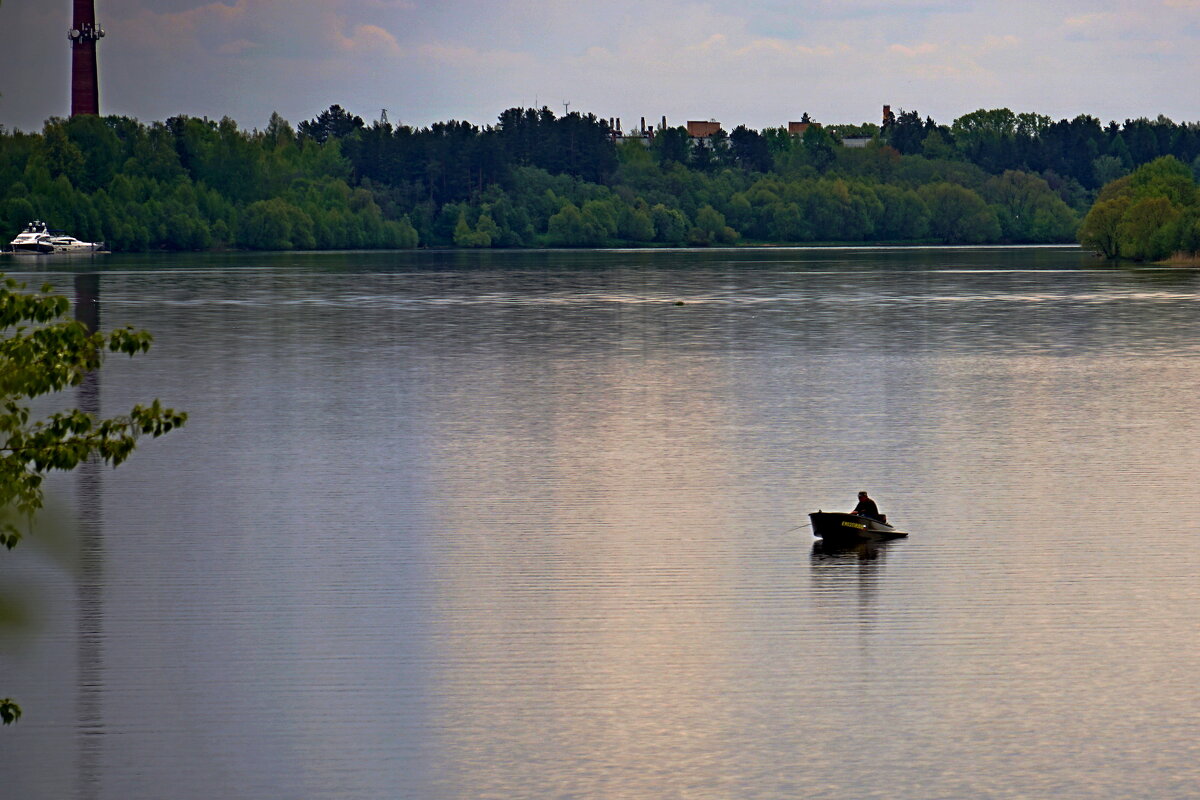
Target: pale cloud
{"points": [[718, 41], [892, 7], [1170, 22], [923, 49], [366, 38], [469, 58], [214, 25], [947, 64], [1089, 20], [236, 47], [995, 44], [791, 49], [1005, 42], [1102, 23]]}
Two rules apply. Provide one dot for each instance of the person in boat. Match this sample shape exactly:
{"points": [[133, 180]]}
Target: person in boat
{"points": [[866, 507]]}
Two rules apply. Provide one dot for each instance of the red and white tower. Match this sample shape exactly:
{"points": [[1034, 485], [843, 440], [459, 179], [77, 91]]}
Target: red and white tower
{"points": [[85, 80]]}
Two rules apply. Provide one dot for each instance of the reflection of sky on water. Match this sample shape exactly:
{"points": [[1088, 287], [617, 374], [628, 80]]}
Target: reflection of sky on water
{"points": [[473, 533]]}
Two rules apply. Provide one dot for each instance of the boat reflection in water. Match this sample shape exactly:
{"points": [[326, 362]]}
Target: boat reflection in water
{"points": [[846, 575], [861, 550]]}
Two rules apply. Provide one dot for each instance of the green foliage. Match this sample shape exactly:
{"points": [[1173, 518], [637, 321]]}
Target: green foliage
{"points": [[481, 236], [750, 150], [1108, 168], [1099, 230], [1187, 231], [335, 182], [192, 184], [1164, 177], [903, 214], [60, 155], [275, 224], [670, 224], [986, 137], [43, 352], [1028, 210], [575, 144], [671, 146], [818, 147], [1147, 215], [907, 133], [937, 145], [571, 227], [635, 223], [959, 215], [867, 130], [49, 356], [1145, 228], [335, 123], [710, 228]]}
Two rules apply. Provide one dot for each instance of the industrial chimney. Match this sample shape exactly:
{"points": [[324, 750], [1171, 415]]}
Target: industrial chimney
{"points": [[85, 81]]}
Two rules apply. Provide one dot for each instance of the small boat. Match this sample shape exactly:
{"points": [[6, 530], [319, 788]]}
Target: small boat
{"points": [[834, 526], [38, 239]]}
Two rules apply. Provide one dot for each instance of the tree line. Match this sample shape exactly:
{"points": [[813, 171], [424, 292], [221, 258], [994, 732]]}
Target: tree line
{"points": [[536, 179], [190, 184], [1081, 149]]}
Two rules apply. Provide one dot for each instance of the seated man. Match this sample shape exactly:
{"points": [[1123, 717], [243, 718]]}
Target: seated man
{"points": [[866, 507]]}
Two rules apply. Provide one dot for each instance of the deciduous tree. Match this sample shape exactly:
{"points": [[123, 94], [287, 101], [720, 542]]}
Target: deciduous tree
{"points": [[43, 352]]}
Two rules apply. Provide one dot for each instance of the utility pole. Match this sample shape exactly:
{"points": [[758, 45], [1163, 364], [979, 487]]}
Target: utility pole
{"points": [[85, 80]]}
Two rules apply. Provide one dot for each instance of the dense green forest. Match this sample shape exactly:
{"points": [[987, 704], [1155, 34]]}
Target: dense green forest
{"points": [[537, 179], [1149, 215]]}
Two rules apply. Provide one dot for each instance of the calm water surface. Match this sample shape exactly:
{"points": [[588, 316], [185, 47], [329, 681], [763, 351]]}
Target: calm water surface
{"points": [[501, 525]]}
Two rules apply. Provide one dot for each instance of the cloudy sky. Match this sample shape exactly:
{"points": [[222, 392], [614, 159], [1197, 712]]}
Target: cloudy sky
{"points": [[757, 62]]}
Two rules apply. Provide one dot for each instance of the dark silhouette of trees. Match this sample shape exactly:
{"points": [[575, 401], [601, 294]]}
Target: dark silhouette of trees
{"points": [[750, 150], [333, 123], [672, 145], [906, 132]]}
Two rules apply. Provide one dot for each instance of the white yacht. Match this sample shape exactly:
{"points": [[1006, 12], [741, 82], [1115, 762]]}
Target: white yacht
{"points": [[38, 239]]}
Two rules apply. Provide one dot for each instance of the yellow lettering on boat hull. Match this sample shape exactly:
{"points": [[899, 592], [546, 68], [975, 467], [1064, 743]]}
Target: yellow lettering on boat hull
{"points": [[858, 525]]}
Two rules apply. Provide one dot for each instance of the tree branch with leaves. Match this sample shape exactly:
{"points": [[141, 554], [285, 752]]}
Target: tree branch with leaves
{"points": [[42, 351]]}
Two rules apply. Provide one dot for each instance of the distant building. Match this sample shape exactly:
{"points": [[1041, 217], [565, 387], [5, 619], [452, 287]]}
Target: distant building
{"points": [[701, 130], [798, 128], [643, 134]]}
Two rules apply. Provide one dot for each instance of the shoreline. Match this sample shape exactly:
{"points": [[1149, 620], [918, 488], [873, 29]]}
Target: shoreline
{"points": [[1181, 261], [616, 248]]}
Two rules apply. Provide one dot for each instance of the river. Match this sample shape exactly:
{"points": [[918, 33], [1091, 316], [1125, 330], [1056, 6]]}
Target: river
{"points": [[533, 525]]}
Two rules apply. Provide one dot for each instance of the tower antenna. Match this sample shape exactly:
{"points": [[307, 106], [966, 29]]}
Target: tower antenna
{"points": [[383, 120], [85, 80]]}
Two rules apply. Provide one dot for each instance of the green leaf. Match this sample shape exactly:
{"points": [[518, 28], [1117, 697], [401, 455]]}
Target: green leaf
{"points": [[10, 712]]}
